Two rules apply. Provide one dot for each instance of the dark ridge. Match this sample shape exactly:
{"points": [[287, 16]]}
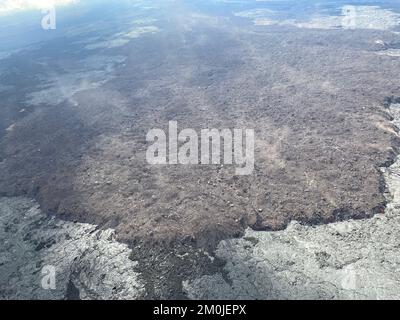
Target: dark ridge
{"points": [[391, 100], [72, 292]]}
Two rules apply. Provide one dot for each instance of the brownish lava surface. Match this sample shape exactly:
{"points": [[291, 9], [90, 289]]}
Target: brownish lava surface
{"points": [[314, 98]]}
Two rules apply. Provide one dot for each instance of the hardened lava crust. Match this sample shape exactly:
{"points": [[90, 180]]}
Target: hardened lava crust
{"points": [[75, 112], [315, 100]]}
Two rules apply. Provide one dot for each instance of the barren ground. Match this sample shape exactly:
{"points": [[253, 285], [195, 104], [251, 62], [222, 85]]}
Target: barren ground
{"points": [[315, 98]]}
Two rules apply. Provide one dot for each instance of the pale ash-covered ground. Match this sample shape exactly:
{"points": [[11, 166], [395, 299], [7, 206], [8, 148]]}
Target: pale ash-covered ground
{"points": [[88, 262]]}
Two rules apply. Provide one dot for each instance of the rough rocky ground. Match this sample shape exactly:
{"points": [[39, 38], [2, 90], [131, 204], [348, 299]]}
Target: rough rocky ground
{"points": [[356, 259], [313, 97], [89, 263], [75, 112], [344, 260]]}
